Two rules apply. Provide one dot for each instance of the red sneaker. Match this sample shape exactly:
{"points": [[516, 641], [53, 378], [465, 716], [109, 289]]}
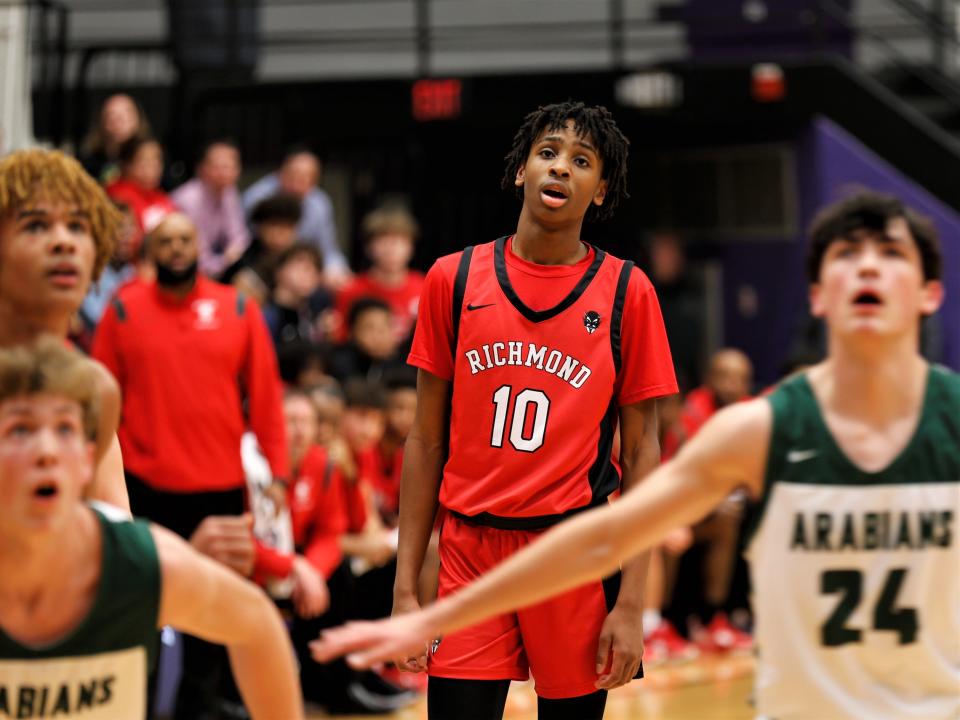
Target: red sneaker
{"points": [[665, 643], [409, 681], [724, 637]]}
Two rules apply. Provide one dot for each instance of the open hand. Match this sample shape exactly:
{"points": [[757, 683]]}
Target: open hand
{"points": [[369, 643]]}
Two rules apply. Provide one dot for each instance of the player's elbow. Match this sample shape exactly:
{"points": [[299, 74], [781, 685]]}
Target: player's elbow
{"points": [[600, 548], [260, 621]]}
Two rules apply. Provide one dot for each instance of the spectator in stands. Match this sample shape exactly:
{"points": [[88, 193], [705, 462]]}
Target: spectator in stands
{"points": [[298, 175], [195, 365], [729, 379], [303, 364], [141, 169], [212, 201], [372, 348], [275, 229], [389, 234], [682, 303], [328, 398], [661, 640], [120, 269], [369, 541], [120, 120], [321, 520], [401, 407], [299, 305]]}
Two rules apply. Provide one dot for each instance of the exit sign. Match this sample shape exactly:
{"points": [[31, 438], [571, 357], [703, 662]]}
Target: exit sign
{"points": [[437, 99]]}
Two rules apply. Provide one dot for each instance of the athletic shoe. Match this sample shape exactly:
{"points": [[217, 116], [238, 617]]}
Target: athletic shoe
{"points": [[721, 636], [375, 702], [665, 643], [368, 694], [406, 680]]}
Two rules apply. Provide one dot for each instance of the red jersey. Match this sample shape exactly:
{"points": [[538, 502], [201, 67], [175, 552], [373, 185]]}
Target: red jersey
{"points": [[698, 406], [149, 206], [381, 472], [536, 391], [183, 367], [318, 511], [404, 301]]}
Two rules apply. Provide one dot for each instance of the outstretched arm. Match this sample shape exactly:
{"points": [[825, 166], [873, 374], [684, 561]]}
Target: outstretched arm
{"points": [[203, 598], [729, 451]]}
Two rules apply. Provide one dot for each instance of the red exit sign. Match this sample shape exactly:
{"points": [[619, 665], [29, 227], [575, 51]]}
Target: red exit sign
{"points": [[437, 99]]}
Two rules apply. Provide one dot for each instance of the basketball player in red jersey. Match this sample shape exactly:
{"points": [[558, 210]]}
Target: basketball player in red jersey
{"points": [[57, 231], [530, 350]]}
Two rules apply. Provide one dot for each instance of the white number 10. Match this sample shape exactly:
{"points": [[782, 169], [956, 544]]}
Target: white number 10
{"points": [[521, 404]]}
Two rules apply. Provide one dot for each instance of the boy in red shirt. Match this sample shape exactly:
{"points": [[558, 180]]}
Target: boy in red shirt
{"points": [[321, 523], [141, 170], [728, 381], [389, 234], [401, 409], [531, 350]]}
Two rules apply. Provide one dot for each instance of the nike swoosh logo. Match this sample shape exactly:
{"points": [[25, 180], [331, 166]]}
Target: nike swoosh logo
{"points": [[477, 307], [796, 456]]}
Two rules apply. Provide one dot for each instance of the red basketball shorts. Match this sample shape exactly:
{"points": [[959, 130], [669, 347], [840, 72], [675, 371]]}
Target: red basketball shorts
{"points": [[555, 641]]}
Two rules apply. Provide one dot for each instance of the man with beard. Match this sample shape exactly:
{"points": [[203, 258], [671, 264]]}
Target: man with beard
{"points": [[187, 353]]}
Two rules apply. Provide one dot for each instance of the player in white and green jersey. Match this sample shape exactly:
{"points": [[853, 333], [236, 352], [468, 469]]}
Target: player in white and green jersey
{"points": [[84, 589], [855, 560]]}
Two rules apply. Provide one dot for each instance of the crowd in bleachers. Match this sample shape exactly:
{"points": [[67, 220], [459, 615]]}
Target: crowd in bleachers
{"points": [[349, 398]]}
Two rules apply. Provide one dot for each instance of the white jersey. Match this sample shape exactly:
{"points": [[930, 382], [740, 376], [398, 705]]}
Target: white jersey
{"points": [[856, 575]]}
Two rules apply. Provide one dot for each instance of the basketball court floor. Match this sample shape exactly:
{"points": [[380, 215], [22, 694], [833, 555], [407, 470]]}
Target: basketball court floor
{"points": [[712, 688]]}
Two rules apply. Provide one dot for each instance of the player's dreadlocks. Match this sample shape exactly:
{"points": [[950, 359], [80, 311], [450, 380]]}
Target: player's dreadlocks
{"points": [[598, 123], [30, 176]]}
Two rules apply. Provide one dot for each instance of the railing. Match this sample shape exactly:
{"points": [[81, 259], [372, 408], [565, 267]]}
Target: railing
{"points": [[939, 73], [418, 38]]}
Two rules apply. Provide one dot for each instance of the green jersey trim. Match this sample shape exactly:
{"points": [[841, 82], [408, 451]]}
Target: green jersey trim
{"points": [[803, 450], [126, 604]]}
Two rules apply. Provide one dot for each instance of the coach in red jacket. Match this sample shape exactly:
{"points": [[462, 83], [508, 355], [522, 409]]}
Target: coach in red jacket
{"points": [[196, 366]]}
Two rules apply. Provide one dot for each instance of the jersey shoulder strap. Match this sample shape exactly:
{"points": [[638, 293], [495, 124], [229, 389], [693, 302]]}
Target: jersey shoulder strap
{"points": [[459, 289], [616, 316], [119, 308]]}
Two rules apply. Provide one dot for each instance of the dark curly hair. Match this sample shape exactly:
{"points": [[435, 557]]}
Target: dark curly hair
{"points": [[596, 122]]}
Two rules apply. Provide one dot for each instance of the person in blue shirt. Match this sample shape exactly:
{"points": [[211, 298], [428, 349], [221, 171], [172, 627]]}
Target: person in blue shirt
{"points": [[298, 175]]}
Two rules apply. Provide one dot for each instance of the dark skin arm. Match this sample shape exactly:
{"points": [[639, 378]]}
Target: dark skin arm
{"points": [[621, 638], [423, 458]]}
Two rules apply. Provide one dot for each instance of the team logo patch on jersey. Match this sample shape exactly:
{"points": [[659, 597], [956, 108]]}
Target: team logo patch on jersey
{"points": [[434, 646], [591, 321], [206, 310]]}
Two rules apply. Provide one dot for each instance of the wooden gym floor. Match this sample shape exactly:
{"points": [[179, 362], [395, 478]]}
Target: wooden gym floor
{"points": [[712, 688]]}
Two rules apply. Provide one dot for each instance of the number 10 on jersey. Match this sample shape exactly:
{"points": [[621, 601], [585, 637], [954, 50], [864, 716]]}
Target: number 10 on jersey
{"points": [[524, 436]]}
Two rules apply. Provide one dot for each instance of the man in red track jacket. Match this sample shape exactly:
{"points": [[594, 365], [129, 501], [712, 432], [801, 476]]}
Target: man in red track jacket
{"points": [[188, 353]]}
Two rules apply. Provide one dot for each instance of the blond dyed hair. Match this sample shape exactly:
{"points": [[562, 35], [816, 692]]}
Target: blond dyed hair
{"points": [[31, 176], [389, 220], [50, 367]]}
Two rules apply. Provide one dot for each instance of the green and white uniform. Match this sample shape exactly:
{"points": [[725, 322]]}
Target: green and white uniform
{"points": [[99, 670], [856, 575]]}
